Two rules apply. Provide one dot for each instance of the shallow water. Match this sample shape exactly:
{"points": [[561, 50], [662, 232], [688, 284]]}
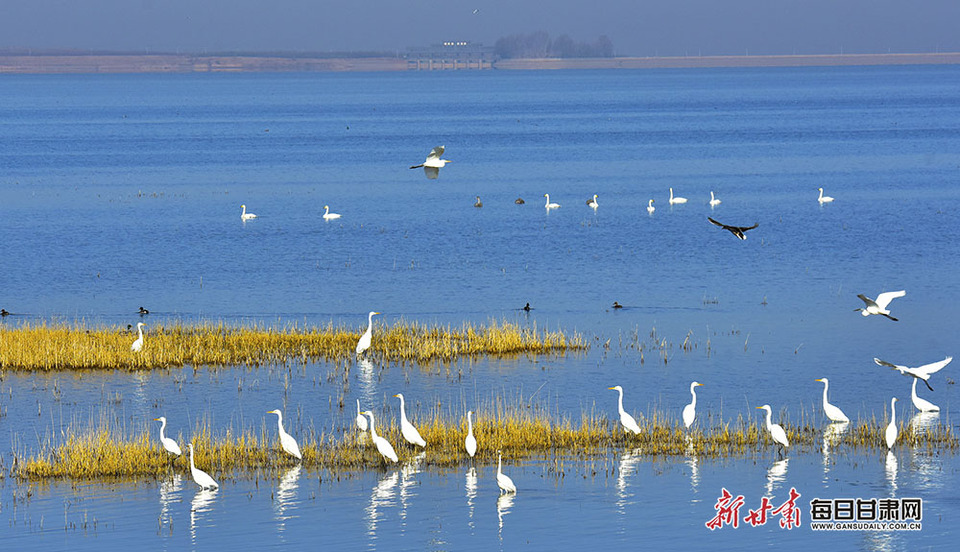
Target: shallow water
{"points": [[121, 191]]}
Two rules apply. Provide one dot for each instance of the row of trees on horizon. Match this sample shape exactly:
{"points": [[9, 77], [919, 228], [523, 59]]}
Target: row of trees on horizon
{"points": [[540, 45]]}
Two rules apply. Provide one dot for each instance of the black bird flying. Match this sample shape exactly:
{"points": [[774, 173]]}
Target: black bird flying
{"points": [[735, 230]]}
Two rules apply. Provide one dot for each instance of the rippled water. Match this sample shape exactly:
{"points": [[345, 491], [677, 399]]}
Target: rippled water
{"points": [[122, 191]]}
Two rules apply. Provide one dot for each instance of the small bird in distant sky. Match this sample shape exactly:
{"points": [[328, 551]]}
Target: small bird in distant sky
{"points": [[735, 230], [476, 11]]}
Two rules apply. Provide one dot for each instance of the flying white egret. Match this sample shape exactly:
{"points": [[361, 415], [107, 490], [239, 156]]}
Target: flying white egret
{"points": [[834, 413], [922, 372], [879, 306], [777, 432], [364, 343], [650, 207], [713, 200], [470, 442], [327, 215], [922, 405], [383, 446], [592, 203], [287, 441], [676, 200], [433, 164], [626, 419], [503, 481], [409, 432], [361, 419], [138, 344], [824, 199], [890, 434], [244, 215], [199, 476], [690, 411], [550, 205], [169, 444]]}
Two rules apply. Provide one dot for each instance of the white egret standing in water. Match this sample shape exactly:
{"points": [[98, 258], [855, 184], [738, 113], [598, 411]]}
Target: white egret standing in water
{"points": [[169, 444], [890, 434], [922, 405], [138, 344], [364, 343], [244, 215], [879, 305], [200, 476], [470, 442], [383, 446], [287, 442], [690, 411], [409, 432], [834, 413], [777, 432], [433, 163], [503, 481], [625, 418]]}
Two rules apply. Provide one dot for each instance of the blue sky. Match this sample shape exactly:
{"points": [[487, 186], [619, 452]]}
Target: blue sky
{"points": [[636, 27]]}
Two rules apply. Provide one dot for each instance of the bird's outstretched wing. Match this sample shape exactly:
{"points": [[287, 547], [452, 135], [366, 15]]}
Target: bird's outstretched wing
{"points": [[720, 224], [933, 367], [884, 299], [745, 228], [870, 303], [435, 153], [431, 172], [883, 362]]}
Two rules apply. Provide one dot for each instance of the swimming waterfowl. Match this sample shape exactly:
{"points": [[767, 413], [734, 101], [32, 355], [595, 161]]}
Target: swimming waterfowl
{"points": [[650, 207], [824, 199], [327, 215], [921, 372], [527, 307], [735, 230], [550, 205], [713, 200], [433, 163], [478, 203], [617, 305], [675, 200], [143, 311], [592, 203], [244, 215], [3, 312], [519, 201], [879, 305]]}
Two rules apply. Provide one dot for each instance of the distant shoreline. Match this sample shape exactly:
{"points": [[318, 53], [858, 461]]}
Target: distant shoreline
{"points": [[171, 63]]}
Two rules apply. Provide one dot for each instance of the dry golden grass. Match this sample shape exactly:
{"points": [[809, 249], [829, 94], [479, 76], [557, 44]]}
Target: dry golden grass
{"points": [[59, 347]]}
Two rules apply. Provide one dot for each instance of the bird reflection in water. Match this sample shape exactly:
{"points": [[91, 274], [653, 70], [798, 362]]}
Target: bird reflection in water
{"points": [[627, 467], [831, 436], [692, 462], [470, 484], [504, 504], [408, 482], [382, 496], [776, 475], [201, 505], [169, 494], [890, 467], [284, 498]]}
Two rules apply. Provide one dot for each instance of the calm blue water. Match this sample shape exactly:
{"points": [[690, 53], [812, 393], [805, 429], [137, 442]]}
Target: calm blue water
{"points": [[122, 191]]}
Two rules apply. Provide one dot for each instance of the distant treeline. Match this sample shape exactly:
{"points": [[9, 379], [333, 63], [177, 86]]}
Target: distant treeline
{"points": [[540, 45]]}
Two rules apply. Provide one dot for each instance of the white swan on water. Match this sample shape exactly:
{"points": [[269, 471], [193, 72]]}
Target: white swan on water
{"points": [[650, 207], [676, 200], [550, 205], [714, 201], [327, 215], [824, 199], [244, 215]]}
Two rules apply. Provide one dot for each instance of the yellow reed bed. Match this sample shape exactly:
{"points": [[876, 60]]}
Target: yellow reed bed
{"points": [[58, 347]]}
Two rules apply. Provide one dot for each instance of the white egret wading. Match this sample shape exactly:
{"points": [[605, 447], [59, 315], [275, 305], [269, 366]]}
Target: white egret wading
{"points": [[364, 343], [890, 434], [169, 444], [470, 442], [383, 446], [199, 476], [690, 411], [287, 442], [776, 432], [138, 344], [503, 481], [409, 432], [832, 412], [629, 423]]}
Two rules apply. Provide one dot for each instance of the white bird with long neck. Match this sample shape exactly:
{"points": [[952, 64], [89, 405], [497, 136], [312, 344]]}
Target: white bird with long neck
{"points": [[879, 305], [832, 412], [503, 481], [920, 372], [287, 442], [361, 419], [169, 444], [676, 200], [433, 163], [776, 431], [470, 443], [690, 411], [592, 203], [824, 199], [407, 429], [921, 404], [890, 434], [713, 200], [650, 207], [550, 205], [327, 215], [628, 422], [383, 446], [364, 343], [138, 344], [244, 215], [199, 476]]}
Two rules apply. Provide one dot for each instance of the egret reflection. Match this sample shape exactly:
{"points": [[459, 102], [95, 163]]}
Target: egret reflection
{"points": [[776, 475], [285, 496], [504, 504], [407, 481], [201, 505], [627, 467], [693, 462], [832, 435], [169, 495], [470, 484], [890, 467], [923, 422], [382, 496], [367, 381]]}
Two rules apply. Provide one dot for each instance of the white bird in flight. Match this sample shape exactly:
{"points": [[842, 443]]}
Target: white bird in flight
{"points": [[824, 199], [409, 432], [199, 476], [921, 404], [503, 481], [244, 215], [327, 215], [383, 446], [550, 205], [921, 372], [287, 442], [776, 431], [625, 418], [138, 344], [364, 342], [833, 413], [676, 200], [879, 305], [890, 435], [690, 411], [169, 444], [470, 442], [433, 163]]}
